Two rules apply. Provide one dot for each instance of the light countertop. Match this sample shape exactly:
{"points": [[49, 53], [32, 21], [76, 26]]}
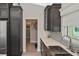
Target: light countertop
{"points": [[52, 42]]}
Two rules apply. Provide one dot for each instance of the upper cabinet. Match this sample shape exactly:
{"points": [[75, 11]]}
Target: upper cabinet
{"points": [[52, 19], [47, 19], [4, 10]]}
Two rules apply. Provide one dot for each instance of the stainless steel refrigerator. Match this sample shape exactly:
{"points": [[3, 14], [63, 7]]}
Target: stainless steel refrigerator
{"points": [[3, 37], [11, 29]]}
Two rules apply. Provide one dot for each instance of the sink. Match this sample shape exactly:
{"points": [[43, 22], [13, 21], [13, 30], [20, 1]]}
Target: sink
{"points": [[58, 51], [58, 48]]}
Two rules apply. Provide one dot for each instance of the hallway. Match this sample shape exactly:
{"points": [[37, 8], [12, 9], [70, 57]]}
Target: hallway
{"points": [[30, 49]]}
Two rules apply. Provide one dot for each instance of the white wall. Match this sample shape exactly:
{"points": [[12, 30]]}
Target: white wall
{"points": [[33, 34], [31, 11], [69, 15]]}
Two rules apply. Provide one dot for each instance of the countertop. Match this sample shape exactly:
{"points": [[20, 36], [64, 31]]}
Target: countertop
{"points": [[53, 42]]}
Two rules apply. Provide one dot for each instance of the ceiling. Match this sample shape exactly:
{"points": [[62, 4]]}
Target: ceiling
{"points": [[43, 4]]}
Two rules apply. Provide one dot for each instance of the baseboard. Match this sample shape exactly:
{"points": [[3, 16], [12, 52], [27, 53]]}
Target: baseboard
{"points": [[16, 54], [24, 50], [38, 50]]}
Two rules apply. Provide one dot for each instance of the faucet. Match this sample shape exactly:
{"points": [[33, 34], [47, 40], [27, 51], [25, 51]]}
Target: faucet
{"points": [[70, 43]]}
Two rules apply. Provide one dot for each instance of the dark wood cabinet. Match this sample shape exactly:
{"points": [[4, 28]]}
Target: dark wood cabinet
{"points": [[52, 50], [5, 5], [15, 33], [52, 18], [4, 10], [56, 18], [44, 49], [47, 20]]}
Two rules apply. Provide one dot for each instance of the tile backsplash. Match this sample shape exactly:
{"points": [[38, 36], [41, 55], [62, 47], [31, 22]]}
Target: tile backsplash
{"points": [[66, 41], [55, 35], [58, 37]]}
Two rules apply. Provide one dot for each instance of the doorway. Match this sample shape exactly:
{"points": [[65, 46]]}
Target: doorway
{"points": [[31, 36]]}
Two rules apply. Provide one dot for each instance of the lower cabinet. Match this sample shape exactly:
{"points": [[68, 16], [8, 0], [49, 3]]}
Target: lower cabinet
{"points": [[44, 49], [52, 50]]}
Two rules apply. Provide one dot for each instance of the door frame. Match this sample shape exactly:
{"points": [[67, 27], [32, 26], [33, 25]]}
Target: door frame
{"points": [[25, 32]]}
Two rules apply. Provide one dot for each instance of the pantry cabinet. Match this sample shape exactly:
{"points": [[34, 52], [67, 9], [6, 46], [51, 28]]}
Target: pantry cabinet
{"points": [[15, 33]]}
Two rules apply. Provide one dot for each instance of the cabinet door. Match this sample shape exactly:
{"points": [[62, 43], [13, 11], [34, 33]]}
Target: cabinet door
{"points": [[52, 19], [56, 20], [42, 48], [15, 31], [4, 5], [57, 29], [47, 21], [14, 28], [3, 12]]}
